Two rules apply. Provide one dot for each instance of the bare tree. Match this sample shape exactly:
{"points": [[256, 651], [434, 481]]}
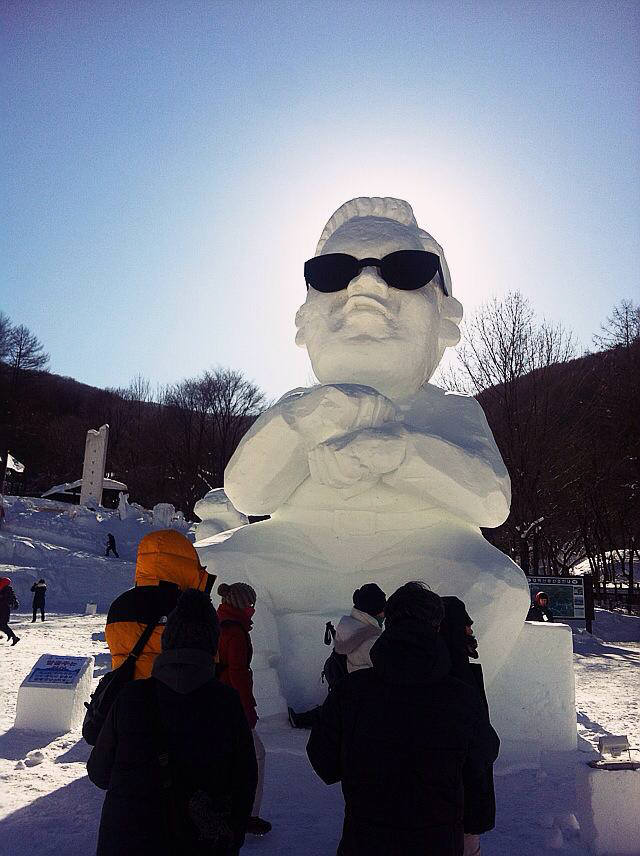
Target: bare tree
{"points": [[622, 327], [201, 421], [6, 329], [26, 352], [507, 360], [139, 389], [503, 342], [233, 404]]}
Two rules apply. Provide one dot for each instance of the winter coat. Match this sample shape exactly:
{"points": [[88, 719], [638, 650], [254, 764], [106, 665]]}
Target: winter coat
{"points": [[480, 798], [8, 601], [39, 593], [210, 749], [537, 612], [399, 737], [355, 635], [165, 567], [234, 657]]}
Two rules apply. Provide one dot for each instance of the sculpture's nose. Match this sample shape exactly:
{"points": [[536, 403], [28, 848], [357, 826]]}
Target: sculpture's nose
{"points": [[368, 281]]}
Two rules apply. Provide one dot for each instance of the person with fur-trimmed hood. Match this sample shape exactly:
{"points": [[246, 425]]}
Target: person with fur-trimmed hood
{"points": [[354, 639], [167, 564], [175, 754], [357, 632], [539, 609], [234, 669], [400, 736]]}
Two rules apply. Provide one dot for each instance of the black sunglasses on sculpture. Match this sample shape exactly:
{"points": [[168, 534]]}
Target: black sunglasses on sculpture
{"points": [[406, 270]]}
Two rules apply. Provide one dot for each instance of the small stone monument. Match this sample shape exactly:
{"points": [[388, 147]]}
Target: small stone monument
{"points": [[51, 698], [95, 458]]}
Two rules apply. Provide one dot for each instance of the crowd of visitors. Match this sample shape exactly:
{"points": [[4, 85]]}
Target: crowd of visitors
{"points": [[405, 730]]}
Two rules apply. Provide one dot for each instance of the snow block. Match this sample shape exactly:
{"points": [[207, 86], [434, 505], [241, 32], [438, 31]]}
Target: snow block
{"points": [[614, 796], [51, 698], [532, 698]]}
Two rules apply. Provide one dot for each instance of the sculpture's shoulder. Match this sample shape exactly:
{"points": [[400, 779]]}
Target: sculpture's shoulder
{"points": [[292, 394], [454, 416]]}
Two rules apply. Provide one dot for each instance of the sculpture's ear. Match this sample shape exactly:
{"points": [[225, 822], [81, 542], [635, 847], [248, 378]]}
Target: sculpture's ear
{"points": [[300, 323], [450, 318]]}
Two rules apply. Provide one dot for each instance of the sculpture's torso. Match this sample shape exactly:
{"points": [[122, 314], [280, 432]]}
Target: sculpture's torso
{"points": [[323, 542]]}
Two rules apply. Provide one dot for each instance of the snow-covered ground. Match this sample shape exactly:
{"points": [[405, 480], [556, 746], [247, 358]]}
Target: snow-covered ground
{"points": [[48, 806]]}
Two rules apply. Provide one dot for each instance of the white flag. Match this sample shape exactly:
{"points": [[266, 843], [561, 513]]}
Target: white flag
{"points": [[12, 464]]}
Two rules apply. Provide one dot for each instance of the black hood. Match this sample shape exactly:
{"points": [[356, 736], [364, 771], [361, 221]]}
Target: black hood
{"points": [[410, 652], [183, 670]]}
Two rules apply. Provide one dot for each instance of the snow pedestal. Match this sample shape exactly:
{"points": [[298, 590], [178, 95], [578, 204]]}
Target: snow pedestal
{"points": [[532, 698], [51, 698], [613, 797]]}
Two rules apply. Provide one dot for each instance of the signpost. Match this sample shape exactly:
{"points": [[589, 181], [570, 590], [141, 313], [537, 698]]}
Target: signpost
{"points": [[570, 598]]}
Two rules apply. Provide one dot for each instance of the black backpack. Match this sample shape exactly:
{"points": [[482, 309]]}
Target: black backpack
{"points": [[108, 689], [9, 595], [335, 666]]}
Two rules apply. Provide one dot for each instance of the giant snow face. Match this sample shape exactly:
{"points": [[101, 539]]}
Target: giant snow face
{"points": [[371, 333]]}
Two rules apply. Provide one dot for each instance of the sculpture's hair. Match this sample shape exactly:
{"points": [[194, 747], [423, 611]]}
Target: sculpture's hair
{"points": [[388, 208]]}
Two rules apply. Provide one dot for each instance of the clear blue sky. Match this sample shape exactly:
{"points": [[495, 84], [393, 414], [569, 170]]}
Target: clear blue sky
{"points": [[168, 166]]}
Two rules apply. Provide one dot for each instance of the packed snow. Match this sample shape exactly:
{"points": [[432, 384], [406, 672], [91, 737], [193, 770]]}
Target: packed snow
{"points": [[47, 804]]}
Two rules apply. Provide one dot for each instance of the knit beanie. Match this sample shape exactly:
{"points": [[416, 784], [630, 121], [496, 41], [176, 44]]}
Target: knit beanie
{"points": [[370, 599], [192, 624], [239, 595], [415, 601]]}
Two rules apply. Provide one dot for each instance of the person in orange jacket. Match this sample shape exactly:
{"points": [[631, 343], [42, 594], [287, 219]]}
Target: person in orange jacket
{"points": [[234, 669], [167, 564]]}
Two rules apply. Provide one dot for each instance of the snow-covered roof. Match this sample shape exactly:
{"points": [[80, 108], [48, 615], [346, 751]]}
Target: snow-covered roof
{"points": [[69, 487]]}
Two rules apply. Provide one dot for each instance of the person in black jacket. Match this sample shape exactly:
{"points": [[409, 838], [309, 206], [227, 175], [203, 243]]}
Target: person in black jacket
{"points": [[8, 601], [39, 590], [111, 545], [539, 609], [401, 736], [480, 800], [175, 754]]}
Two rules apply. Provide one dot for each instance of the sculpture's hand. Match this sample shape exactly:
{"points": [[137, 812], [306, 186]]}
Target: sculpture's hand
{"points": [[360, 457], [333, 410]]}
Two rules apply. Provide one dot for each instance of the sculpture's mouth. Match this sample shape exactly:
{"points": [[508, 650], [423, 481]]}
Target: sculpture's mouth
{"points": [[362, 302]]}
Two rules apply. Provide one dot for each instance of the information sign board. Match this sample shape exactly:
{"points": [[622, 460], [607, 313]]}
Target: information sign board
{"points": [[53, 670], [566, 595]]}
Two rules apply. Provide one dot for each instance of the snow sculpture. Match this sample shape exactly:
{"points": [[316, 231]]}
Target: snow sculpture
{"points": [[375, 474], [163, 514], [95, 457], [124, 509], [51, 698], [217, 514]]}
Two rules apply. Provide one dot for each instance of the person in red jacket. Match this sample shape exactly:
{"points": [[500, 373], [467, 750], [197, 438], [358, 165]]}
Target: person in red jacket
{"points": [[234, 669]]}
